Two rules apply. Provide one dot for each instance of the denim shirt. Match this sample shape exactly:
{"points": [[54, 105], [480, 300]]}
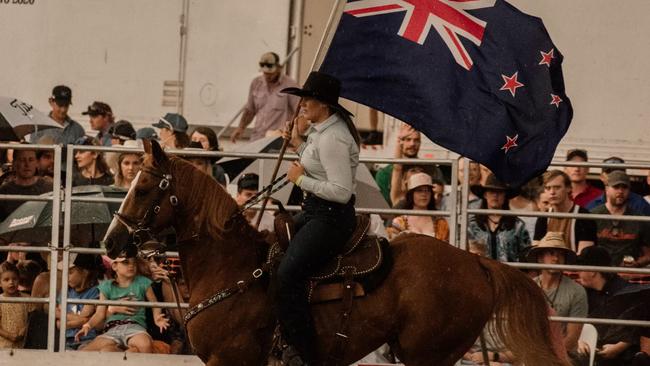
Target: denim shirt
{"points": [[330, 157], [510, 243]]}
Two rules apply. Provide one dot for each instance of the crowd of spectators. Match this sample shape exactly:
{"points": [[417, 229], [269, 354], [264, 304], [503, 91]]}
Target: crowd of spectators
{"points": [[508, 238]]}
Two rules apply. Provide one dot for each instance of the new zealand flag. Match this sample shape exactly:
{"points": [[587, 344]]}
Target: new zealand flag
{"points": [[477, 77]]}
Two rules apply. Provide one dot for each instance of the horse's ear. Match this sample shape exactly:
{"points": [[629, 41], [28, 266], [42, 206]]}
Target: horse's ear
{"points": [[159, 155], [146, 143]]}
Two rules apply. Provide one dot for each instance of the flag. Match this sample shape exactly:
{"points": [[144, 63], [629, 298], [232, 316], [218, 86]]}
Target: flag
{"points": [[477, 77]]}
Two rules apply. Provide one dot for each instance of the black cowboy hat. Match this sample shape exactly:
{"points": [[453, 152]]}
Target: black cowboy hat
{"points": [[322, 87], [493, 184]]}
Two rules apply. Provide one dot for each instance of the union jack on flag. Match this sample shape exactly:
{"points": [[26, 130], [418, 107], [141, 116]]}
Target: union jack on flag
{"points": [[478, 77]]}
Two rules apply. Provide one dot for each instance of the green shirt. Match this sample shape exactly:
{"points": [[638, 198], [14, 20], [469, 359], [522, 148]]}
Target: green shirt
{"points": [[136, 291]]}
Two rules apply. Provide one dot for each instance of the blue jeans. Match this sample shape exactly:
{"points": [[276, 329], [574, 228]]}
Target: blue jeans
{"points": [[322, 229]]}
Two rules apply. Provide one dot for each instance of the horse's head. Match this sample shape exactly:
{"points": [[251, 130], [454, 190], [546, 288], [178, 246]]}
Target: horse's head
{"points": [[148, 206]]}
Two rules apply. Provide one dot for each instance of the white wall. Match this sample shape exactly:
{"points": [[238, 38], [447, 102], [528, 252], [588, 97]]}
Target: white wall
{"points": [[606, 47], [121, 52]]}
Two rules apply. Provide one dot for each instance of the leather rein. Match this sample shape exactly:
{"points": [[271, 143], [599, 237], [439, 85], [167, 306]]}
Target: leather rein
{"points": [[142, 233]]}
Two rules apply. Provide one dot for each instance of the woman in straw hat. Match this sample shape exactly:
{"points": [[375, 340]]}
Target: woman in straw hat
{"points": [[326, 174], [563, 294], [419, 196]]}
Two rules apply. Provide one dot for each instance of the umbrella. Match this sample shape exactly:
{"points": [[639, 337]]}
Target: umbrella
{"points": [[18, 119], [32, 221], [235, 166]]}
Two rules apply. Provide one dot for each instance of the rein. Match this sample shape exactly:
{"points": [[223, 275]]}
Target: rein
{"points": [[141, 227]]}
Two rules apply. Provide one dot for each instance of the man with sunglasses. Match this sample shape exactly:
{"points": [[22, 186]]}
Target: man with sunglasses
{"points": [[270, 108], [60, 102]]}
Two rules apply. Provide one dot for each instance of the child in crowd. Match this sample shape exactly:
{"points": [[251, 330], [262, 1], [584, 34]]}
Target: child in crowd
{"points": [[82, 284], [27, 272], [126, 326], [13, 316]]}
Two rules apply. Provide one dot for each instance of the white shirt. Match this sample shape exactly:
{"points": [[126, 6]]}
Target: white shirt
{"points": [[330, 157]]}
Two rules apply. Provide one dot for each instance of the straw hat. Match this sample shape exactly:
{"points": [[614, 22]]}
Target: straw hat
{"points": [[552, 240]]}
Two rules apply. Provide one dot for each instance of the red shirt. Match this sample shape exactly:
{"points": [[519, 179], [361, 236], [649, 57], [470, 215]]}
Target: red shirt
{"points": [[586, 196]]}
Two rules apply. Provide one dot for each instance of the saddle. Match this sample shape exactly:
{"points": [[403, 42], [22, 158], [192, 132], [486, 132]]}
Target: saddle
{"points": [[364, 262]]}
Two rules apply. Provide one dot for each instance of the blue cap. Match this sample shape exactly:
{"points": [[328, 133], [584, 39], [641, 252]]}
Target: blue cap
{"points": [[146, 133], [172, 121]]}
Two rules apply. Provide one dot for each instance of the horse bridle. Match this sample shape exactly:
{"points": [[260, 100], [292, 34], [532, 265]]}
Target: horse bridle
{"points": [[141, 229]]}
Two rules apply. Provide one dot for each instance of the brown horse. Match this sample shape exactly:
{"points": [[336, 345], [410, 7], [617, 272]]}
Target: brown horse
{"points": [[431, 307]]}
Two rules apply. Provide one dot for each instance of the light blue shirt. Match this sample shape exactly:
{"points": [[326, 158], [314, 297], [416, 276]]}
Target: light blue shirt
{"points": [[330, 157]]}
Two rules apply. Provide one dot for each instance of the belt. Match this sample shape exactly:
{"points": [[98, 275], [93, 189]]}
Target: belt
{"points": [[312, 198], [115, 323]]}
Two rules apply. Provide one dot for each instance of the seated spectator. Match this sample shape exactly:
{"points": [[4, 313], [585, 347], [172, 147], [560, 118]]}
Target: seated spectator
{"points": [[578, 233], [202, 163], [121, 132], [525, 201], [206, 137], [27, 271], [208, 140], [485, 173], [622, 238], [60, 102], [25, 182], [128, 164], [172, 129], [388, 178], [636, 201], [474, 179], [581, 191], [420, 197], [91, 168], [45, 158], [101, 120], [505, 236], [616, 344], [543, 202], [173, 338], [13, 316], [125, 328], [146, 133], [564, 295], [83, 273], [247, 187]]}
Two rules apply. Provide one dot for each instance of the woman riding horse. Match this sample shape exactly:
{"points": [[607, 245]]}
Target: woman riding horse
{"points": [[326, 174]]}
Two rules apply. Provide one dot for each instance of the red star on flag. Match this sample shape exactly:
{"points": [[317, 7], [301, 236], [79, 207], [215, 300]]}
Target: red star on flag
{"points": [[556, 100], [510, 143], [511, 83], [547, 57]]}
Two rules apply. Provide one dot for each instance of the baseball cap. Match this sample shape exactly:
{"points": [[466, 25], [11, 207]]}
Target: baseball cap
{"points": [[122, 130], [269, 62], [577, 153], [594, 256], [618, 177], [248, 181], [62, 95], [418, 180], [97, 109], [146, 133], [172, 121], [613, 160], [82, 260]]}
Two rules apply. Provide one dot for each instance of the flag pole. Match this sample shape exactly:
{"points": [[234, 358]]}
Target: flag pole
{"points": [[323, 46]]}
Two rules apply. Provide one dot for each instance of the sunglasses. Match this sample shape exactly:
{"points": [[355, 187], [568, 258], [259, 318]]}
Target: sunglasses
{"points": [[266, 64]]}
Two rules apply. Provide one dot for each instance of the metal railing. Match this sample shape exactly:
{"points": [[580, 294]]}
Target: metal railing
{"points": [[457, 216]]}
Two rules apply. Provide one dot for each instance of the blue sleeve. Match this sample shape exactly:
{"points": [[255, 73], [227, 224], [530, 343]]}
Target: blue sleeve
{"points": [[93, 293]]}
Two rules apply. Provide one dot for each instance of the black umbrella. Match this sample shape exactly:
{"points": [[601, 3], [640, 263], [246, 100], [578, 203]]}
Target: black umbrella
{"points": [[32, 221], [18, 119]]}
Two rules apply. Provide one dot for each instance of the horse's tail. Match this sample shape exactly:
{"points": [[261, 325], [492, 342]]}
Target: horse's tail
{"points": [[521, 317]]}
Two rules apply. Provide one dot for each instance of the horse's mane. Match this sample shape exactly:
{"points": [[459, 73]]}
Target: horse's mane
{"points": [[210, 204]]}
